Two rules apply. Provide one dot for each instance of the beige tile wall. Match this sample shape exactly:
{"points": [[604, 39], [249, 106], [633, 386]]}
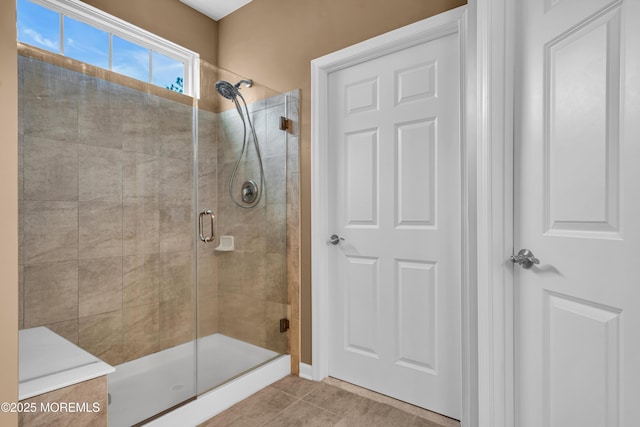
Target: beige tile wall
{"points": [[252, 280], [107, 213]]}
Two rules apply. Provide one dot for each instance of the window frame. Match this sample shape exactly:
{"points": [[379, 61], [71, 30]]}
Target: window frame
{"points": [[97, 18]]}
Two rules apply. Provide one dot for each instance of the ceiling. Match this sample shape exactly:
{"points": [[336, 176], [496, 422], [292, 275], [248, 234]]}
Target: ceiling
{"points": [[215, 9]]}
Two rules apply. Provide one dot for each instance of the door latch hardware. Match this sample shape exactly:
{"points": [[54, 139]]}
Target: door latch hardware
{"points": [[334, 239], [525, 258]]}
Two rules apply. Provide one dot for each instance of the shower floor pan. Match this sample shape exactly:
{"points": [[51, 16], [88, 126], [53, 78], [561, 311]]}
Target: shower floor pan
{"points": [[147, 386]]}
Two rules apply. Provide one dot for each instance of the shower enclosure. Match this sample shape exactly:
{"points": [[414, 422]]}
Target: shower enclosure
{"points": [[122, 186]]}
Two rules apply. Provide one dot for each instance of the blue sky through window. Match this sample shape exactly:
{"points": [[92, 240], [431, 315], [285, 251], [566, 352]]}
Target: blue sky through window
{"points": [[39, 26], [166, 70], [86, 43], [130, 59]]}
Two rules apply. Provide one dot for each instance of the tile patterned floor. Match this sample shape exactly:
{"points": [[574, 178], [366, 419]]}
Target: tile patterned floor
{"points": [[295, 402]]}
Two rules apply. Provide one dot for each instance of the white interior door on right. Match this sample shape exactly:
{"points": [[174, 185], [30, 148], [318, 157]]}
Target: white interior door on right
{"points": [[577, 195]]}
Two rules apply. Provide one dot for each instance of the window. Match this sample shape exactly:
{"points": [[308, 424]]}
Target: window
{"points": [[87, 34], [167, 73], [38, 26], [85, 43], [130, 59]]}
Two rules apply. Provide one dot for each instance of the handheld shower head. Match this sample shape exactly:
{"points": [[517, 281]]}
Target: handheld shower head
{"points": [[230, 91], [226, 89], [251, 192]]}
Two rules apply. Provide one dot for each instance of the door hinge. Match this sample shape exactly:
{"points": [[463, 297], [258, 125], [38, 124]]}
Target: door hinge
{"points": [[285, 124], [284, 325]]}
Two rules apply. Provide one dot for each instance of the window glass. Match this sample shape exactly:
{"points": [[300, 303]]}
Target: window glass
{"points": [[131, 59], [86, 43], [167, 72], [38, 26]]}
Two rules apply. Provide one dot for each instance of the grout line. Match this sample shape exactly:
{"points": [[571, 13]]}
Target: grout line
{"points": [[283, 409], [292, 395], [285, 392], [300, 400], [327, 410]]}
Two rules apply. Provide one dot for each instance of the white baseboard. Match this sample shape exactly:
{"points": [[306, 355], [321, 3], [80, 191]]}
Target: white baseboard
{"points": [[306, 371], [225, 396]]}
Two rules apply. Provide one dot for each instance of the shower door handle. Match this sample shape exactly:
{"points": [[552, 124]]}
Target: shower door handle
{"points": [[211, 237]]}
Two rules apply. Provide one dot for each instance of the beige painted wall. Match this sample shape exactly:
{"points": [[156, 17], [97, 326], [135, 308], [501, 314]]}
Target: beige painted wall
{"points": [[170, 19], [273, 42], [9, 213]]}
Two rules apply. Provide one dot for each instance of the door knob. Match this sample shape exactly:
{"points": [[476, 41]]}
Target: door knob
{"points": [[525, 258], [335, 239]]}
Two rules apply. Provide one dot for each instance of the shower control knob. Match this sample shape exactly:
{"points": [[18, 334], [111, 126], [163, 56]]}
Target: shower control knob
{"points": [[335, 239], [249, 191]]}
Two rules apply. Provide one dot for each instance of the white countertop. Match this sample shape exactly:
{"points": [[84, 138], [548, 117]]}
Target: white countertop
{"points": [[49, 362]]}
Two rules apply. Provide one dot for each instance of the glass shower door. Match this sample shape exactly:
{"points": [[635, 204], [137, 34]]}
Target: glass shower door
{"points": [[108, 221], [159, 258]]}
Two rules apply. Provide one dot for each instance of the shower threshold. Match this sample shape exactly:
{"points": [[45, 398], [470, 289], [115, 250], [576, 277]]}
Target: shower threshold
{"points": [[142, 388]]}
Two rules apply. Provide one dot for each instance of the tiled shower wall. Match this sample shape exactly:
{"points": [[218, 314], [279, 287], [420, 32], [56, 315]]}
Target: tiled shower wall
{"points": [[107, 213], [252, 280]]}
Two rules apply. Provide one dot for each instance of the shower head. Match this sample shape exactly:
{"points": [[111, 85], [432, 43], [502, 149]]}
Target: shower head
{"points": [[226, 89], [230, 91]]}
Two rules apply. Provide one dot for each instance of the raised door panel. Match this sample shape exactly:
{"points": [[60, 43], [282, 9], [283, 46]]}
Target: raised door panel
{"points": [[361, 154], [416, 82], [582, 122], [361, 96], [416, 174], [416, 310], [361, 306], [582, 353]]}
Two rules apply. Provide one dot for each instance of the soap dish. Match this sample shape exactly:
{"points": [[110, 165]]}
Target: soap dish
{"points": [[226, 244]]}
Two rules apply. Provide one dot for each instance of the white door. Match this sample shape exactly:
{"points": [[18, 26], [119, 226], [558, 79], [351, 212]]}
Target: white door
{"points": [[394, 291], [577, 196]]}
